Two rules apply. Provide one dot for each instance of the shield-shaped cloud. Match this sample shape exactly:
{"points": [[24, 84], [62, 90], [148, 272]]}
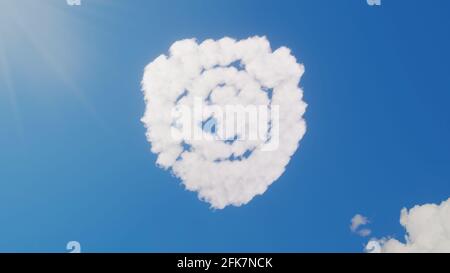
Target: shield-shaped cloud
{"points": [[224, 116]]}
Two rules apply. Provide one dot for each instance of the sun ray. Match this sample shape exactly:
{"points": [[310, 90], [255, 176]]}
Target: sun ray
{"points": [[5, 75], [55, 20]]}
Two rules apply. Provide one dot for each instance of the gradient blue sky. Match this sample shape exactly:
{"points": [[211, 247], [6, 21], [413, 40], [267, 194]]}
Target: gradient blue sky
{"points": [[75, 164]]}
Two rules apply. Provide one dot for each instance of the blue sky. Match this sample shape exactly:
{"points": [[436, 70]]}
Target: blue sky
{"points": [[75, 164]]}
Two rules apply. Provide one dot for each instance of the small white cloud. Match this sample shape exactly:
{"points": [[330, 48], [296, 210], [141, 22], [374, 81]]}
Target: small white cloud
{"points": [[356, 222], [364, 232], [427, 230]]}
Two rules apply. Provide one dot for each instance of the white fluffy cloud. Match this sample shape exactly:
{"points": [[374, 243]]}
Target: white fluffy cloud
{"points": [[221, 73], [356, 222], [427, 230]]}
